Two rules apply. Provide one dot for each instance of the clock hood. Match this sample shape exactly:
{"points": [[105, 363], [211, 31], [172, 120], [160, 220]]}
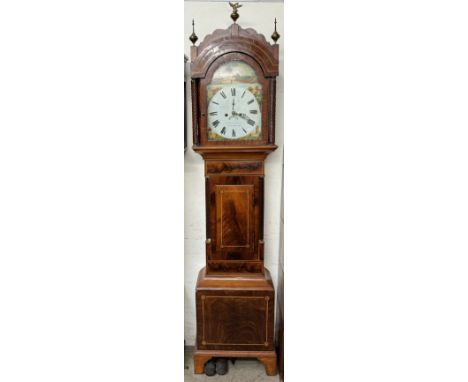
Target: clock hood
{"points": [[235, 40]]}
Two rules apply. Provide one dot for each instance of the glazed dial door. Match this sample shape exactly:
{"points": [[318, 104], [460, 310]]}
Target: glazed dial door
{"points": [[234, 103], [234, 112]]}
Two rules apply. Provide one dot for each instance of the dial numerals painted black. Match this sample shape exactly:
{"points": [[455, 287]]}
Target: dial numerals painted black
{"points": [[233, 113]]}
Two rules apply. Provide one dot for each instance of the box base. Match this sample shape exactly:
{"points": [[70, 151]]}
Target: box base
{"points": [[235, 318]]}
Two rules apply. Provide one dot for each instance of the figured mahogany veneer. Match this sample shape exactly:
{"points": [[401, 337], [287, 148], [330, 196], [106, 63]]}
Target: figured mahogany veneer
{"points": [[234, 208], [235, 312], [235, 297], [235, 318], [234, 167]]}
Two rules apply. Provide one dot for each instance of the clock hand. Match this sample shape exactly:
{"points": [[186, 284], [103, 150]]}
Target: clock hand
{"points": [[234, 114]]}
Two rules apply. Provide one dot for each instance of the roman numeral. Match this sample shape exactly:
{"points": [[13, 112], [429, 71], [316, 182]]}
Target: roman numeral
{"points": [[244, 130], [216, 123], [233, 92], [251, 101], [250, 122], [243, 94], [216, 103], [223, 130], [214, 113], [222, 93], [253, 111], [233, 133]]}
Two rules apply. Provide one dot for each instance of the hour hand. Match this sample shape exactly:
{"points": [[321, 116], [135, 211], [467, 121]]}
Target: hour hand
{"points": [[242, 115]]}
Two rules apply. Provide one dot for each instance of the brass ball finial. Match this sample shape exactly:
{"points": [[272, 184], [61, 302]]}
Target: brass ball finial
{"points": [[235, 7], [275, 36], [193, 37]]}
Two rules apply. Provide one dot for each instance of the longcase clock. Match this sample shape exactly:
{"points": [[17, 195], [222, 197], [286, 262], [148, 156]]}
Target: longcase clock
{"points": [[234, 74]]}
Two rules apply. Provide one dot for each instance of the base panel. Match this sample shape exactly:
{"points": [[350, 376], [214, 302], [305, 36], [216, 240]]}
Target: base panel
{"points": [[235, 313]]}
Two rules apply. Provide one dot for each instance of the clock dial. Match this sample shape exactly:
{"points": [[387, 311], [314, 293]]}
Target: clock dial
{"points": [[234, 98], [234, 112]]}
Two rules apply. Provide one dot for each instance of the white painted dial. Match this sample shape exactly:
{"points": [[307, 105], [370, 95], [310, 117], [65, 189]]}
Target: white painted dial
{"points": [[234, 112]]}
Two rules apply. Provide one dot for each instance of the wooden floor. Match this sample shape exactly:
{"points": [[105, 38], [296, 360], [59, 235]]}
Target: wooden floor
{"points": [[243, 371]]}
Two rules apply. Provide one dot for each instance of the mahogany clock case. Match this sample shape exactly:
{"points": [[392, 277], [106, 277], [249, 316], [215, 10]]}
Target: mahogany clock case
{"points": [[234, 296]]}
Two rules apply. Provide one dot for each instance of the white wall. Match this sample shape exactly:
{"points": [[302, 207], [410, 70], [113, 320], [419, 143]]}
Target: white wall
{"points": [[209, 16]]}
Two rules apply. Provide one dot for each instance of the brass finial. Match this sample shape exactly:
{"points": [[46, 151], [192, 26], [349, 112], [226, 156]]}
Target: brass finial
{"points": [[234, 14], [193, 37], [275, 36]]}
